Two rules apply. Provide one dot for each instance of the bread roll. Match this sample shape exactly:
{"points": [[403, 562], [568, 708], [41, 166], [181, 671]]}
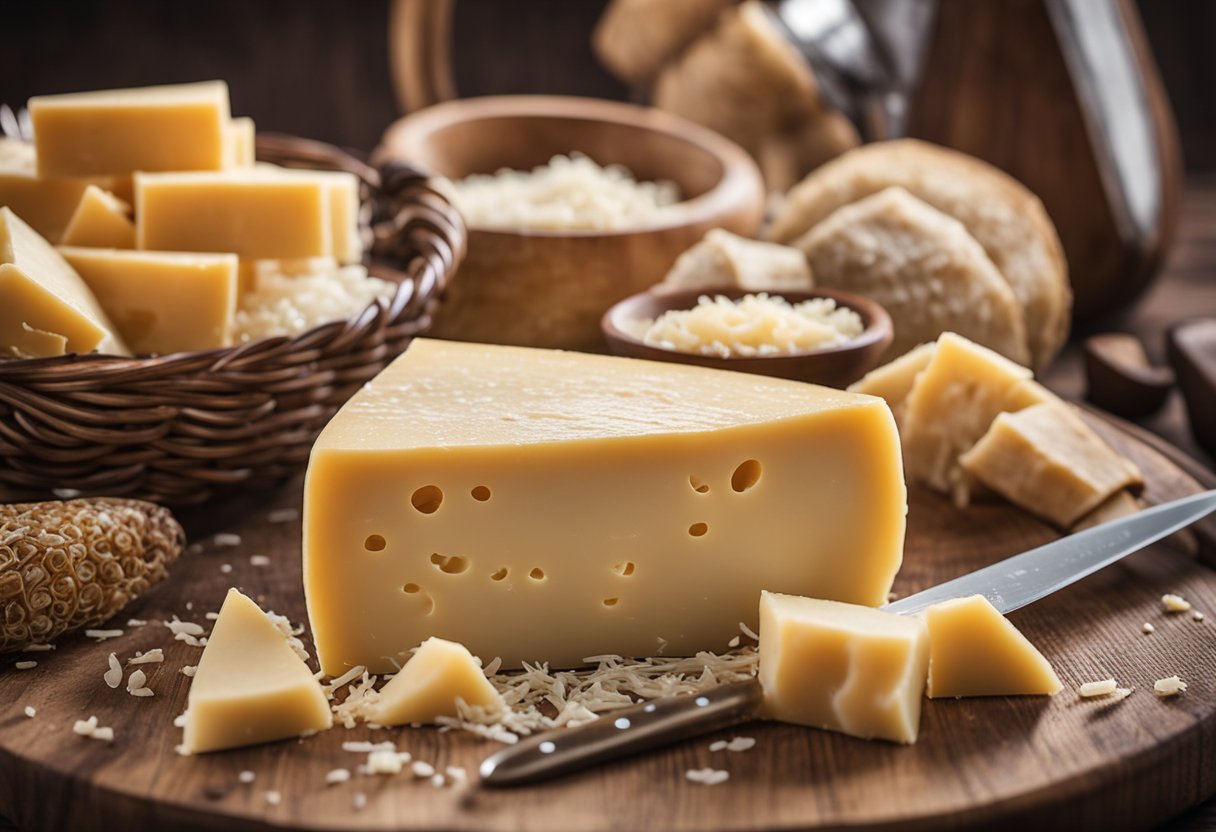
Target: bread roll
{"points": [[999, 212], [725, 260], [923, 266], [635, 38]]}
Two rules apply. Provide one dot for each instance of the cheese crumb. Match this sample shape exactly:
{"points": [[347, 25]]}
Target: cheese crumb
{"points": [[153, 656], [226, 539], [274, 798], [37, 648], [456, 774], [741, 744], [383, 761], [422, 769], [27, 665], [225, 568], [283, 515], [113, 676], [105, 734], [30, 711], [1091, 690], [85, 727], [734, 642], [1148, 628], [437, 780], [366, 747], [259, 560], [246, 777], [189, 670], [718, 745], [338, 775], [137, 684], [1197, 615], [1175, 603], [1169, 686], [707, 776], [136, 622], [102, 635], [359, 801]]}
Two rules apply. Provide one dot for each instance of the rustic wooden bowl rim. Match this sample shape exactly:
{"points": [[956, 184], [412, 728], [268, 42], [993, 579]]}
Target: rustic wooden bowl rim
{"points": [[649, 304], [739, 170]]}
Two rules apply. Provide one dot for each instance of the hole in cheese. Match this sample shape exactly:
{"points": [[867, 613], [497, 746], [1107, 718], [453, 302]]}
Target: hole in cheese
{"points": [[698, 485], [428, 602], [410, 589], [452, 565], [698, 529], [500, 575], [624, 568], [537, 574], [611, 602], [481, 493], [427, 499], [746, 475], [374, 543]]}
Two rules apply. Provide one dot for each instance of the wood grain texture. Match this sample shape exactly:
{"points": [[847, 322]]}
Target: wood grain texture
{"points": [[991, 763]]}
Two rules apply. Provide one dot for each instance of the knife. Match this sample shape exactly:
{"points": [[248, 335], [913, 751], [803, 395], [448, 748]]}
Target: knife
{"points": [[1009, 584]]}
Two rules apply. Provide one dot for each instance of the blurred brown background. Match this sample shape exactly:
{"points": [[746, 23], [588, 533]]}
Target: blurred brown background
{"points": [[319, 68]]}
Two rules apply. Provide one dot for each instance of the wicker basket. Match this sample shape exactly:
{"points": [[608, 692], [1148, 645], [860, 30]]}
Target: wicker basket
{"points": [[180, 429]]}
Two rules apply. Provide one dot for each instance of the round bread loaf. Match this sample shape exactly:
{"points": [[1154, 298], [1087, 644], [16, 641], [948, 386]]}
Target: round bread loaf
{"points": [[998, 211], [923, 266]]}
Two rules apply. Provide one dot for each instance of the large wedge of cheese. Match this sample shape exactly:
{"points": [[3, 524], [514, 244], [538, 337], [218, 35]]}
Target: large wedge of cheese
{"points": [[250, 686], [842, 667], [436, 676], [45, 308], [541, 505], [162, 301], [174, 127], [1049, 462], [256, 213], [976, 651]]}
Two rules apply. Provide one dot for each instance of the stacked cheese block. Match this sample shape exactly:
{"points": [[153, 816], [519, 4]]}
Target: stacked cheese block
{"points": [[162, 220]]}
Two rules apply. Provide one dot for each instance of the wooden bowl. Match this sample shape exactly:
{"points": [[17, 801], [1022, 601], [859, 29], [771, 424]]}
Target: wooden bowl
{"points": [[550, 288], [836, 366]]}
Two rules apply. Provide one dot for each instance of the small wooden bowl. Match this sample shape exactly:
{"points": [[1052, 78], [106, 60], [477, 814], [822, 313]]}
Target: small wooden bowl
{"points": [[550, 288], [836, 366]]}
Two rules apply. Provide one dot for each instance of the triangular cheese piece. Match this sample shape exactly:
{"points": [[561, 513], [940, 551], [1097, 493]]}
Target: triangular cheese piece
{"points": [[976, 651], [250, 686], [428, 686]]}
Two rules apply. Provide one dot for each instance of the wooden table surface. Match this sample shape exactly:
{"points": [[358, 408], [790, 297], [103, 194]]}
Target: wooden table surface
{"points": [[1187, 288]]}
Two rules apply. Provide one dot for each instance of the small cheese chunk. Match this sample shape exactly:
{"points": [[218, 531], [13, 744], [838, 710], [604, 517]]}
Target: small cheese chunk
{"points": [[544, 505], [1046, 460], [174, 127], [723, 260], [842, 667], [162, 302], [255, 214], [45, 308], [952, 404], [439, 673], [1169, 686], [894, 381], [101, 220], [976, 651], [242, 143], [250, 686], [45, 204]]}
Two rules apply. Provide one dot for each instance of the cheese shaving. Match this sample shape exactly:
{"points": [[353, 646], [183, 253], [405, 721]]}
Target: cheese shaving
{"points": [[1169, 686], [1090, 690], [1175, 603]]}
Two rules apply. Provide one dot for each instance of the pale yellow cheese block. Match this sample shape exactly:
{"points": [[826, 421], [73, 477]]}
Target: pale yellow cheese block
{"points": [[342, 189], [242, 142], [976, 651], [951, 405], [843, 667], [107, 132], [250, 686], [439, 673], [45, 308], [893, 381], [162, 301], [254, 214], [1046, 460], [541, 505], [101, 220]]}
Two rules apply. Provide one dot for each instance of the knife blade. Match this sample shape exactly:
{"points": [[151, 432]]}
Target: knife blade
{"points": [[1009, 584]]}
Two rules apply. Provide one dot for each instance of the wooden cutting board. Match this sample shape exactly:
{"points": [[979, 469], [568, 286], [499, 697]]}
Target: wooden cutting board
{"points": [[1000, 762]]}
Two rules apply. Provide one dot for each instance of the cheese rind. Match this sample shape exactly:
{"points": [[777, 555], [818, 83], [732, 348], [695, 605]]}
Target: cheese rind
{"points": [[439, 673], [952, 404], [250, 686], [162, 302], [976, 651], [540, 505], [172, 127], [45, 308], [842, 667], [1046, 460], [254, 214], [101, 220]]}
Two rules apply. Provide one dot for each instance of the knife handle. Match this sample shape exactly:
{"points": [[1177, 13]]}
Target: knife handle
{"points": [[620, 733]]}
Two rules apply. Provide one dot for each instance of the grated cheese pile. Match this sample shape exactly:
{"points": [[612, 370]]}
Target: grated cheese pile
{"points": [[571, 193], [289, 304], [753, 326]]}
